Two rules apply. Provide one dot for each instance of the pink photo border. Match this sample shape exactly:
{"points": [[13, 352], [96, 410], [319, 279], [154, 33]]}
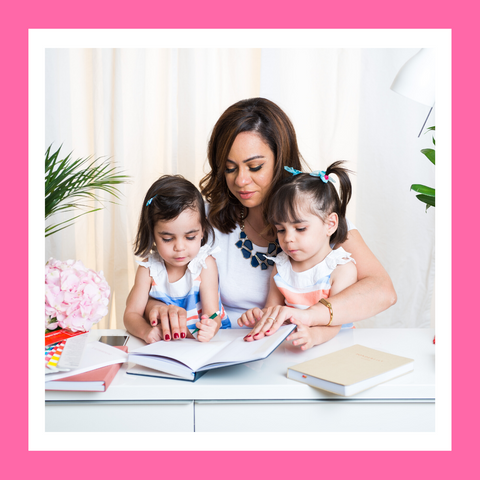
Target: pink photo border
{"points": [[17, 20]]}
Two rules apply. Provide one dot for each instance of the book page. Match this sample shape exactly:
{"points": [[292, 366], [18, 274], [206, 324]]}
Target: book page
{"points": [[188, 351], [96, 355], [240, 351]]}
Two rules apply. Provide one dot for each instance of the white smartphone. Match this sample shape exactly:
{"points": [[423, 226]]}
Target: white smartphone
{"points": [[114, 340]]}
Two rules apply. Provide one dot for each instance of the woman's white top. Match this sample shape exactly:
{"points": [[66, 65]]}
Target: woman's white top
{"points": [[241, 286]]}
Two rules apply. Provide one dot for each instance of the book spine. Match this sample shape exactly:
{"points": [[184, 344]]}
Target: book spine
{"points": [[59, 335]]}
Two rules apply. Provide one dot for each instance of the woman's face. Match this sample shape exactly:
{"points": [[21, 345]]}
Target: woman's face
{"points": [[249, 169]]}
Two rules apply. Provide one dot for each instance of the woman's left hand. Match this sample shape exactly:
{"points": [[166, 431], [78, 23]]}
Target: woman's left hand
{"points": [[273, 318]]}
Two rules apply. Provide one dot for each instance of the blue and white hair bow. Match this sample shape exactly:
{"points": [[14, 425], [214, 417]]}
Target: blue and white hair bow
{"points": [[323, 176], [150, 201], [292, 170], [317, 173]]}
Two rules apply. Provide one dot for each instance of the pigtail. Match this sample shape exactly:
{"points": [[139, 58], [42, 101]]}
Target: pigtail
{"points": [[345, 188]]}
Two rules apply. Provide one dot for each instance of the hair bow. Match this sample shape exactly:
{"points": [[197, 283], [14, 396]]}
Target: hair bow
{"points": [[323, 176], [317, 173], [150, 201], [292, 170]]}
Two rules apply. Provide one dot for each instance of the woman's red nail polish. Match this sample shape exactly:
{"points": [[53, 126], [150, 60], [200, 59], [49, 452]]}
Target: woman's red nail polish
{"points": [[175, 335], [267, 331], [167, 337], [182, 335]]}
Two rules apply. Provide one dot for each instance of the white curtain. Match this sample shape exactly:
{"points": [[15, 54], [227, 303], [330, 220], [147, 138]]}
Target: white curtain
{"points": [[151, 111]]}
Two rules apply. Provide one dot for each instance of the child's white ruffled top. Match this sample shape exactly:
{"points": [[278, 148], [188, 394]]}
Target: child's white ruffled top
{"points": [[304, 289], [184, 293]]}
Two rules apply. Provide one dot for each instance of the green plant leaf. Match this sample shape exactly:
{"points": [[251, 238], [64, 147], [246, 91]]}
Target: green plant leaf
{"points": [[69, 183], [430, 201], [429, 153], [69, 222], [431, 128], [423, 189]]}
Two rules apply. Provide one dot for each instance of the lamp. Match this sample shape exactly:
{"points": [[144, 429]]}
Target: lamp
{"points": [[416, 79]]}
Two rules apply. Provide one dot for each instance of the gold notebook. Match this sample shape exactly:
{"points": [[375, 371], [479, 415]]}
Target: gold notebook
{"points": [[350, 370]]}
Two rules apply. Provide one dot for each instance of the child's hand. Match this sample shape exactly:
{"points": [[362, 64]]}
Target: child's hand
{"points": [[153, 335], [207, 328], [302, 337], [307, 337], [250, 317]]}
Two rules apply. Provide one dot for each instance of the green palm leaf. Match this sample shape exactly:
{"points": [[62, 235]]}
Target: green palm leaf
{"points": [[428, 200], [429, 153], [429, 191], [71, 184], [426, 194]]}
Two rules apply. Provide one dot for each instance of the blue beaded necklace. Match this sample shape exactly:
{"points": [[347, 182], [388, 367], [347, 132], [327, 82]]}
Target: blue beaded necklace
{"points": [[256, 258]]}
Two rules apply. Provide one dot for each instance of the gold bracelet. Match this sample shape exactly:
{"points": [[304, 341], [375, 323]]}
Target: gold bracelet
{"points": [[329, 306]]}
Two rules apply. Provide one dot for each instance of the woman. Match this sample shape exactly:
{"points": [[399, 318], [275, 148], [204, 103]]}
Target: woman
{"points": [[250, 145]]}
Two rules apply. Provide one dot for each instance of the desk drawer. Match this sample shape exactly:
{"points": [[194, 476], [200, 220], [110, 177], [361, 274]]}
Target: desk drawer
{"points": [[159, 416], [315, 416]]}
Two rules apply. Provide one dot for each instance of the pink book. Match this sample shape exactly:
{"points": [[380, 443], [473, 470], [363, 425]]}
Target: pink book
{"points": [[93, 381]]}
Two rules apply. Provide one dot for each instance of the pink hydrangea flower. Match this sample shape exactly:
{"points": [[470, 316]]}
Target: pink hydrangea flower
{"points": [[75, 296]]}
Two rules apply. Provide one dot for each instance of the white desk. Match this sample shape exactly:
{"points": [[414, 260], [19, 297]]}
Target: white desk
{"points": [[258, 396]]}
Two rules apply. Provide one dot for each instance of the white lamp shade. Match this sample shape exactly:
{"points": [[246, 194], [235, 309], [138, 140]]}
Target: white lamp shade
{"points": [[416, 79]]}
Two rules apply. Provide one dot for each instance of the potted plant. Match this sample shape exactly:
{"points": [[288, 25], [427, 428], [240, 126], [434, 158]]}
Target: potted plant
{"points": [[426, 194], [75, 297]]}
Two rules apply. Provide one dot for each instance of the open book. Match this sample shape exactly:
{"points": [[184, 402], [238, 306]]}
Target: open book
{"points": [[188, 359]]}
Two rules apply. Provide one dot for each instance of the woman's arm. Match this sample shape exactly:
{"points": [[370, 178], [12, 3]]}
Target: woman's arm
{"points": [[136, 302], [306, 337], [342, 277], [371, 294]]}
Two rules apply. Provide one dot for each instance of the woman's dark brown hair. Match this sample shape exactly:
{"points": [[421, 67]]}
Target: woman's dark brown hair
{"points": [[264, 118], [322, 199], [165, 200]]}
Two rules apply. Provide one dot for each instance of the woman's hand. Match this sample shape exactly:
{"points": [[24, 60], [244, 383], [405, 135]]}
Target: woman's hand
{"points": [[271, 320], [171, 319]]}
